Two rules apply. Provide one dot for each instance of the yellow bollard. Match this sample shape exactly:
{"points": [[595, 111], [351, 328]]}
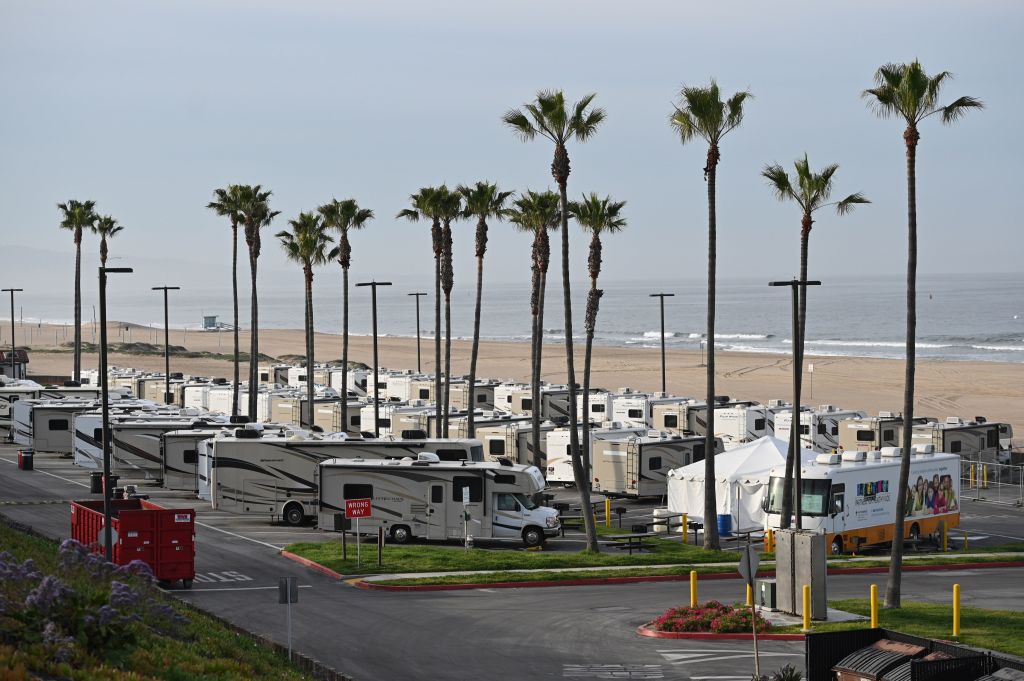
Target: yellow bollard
{"points": [[750, 595], [984, 476], [965, 540], [874, 606], [956, 611], [970, 476], [685, 528], [769, 541], [693, 588], [807, 608], [607, 512]]}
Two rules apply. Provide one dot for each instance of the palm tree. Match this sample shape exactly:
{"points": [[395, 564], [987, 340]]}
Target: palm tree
{"points": [[536, 213], [107, 228], [811, 192], [702, 114], [424, 206], [307, 245], [449, 208], [256, 214], [549, 117], [484, 202], [343, 216], [228, 204], [597, 216], [77, 216], [905, 91]]}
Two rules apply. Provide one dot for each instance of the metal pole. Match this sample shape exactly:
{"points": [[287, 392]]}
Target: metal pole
{"points": [[419, 367], [14, 348], [376, 398], [105, 407], [661, 297], [289, 626], [168, 398]]}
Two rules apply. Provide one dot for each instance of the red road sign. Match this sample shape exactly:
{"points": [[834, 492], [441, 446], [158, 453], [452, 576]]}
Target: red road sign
{"points": [[358, 508]]}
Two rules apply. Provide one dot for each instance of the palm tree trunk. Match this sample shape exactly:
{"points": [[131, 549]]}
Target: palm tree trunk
{"points": [[893, 584], [437, 346], [308, 275], [254, 342], [103, 251], [798, 361], [344, 350], [77, 370], [234, 299], [471, 430], [538, 356], [447, 360], [710, 505], [560, 166], [593, 302]]}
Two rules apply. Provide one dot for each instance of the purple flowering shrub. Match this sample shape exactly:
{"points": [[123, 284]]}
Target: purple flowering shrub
{"points": [[713, 617], [106, 610]]}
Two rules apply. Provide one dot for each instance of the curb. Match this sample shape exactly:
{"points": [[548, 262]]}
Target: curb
{"points": [[312, 565], [645, 630]]}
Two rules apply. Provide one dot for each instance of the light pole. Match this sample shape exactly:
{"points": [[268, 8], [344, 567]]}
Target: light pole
{"points": [[376, 398], [798, 288], [419, 369], [104, 406], [661, 298], [168, 398], [14, 348]]}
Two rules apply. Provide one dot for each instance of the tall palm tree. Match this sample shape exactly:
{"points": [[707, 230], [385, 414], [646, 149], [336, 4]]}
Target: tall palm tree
{"points": [[484, 201], [227, 203], [307, 244], [702, 114], [343, 216], [548, 116], [107, 228], [449, 208], [905, 91], [597, 216], [811, 192], [256, 214], [538, 214], [424, 205], [77, 216]]}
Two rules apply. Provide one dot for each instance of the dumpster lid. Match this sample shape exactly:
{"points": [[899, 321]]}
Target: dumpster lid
{"points": [[902, 672], [1004, 674], [875, 660]]}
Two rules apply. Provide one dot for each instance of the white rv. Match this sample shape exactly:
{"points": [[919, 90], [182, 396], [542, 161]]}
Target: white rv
{"points": [[637, 409], [483, 394], [599, 405], [180, 458], [741, 424], [819, 428], [46, 425], [851, 497], [637, 466], [10, 393], [873, 433], [275, 474], [512, 439], [972, 440], [559, 455], [427, 498], [503, 394]]}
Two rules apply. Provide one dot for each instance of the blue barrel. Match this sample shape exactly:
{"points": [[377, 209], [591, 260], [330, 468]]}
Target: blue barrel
{"points": [[724, 525]]}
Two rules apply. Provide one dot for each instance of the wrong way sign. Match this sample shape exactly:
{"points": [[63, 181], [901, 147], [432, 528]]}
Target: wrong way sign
{"points": [[358, 508]]}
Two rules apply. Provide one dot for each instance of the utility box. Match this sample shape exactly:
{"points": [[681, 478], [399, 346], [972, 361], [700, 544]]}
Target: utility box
{"points": [[799, 561], [766, 594]]}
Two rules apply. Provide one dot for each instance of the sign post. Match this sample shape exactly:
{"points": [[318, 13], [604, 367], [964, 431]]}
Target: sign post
{"points": [[358, 508], [749, 560], [288, 593], [465, 516]]}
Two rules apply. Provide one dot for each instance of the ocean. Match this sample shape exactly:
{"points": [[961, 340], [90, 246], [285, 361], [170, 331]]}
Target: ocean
{"points": [[960, 317]]}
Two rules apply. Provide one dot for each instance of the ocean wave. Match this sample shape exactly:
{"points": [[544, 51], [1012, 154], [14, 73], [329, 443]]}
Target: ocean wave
{"points": [[1000, 348], [870, 344], [657, 334], [742, 336]]}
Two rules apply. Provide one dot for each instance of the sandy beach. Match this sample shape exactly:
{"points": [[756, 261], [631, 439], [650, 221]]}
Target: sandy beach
{"points": [[944, 388]]}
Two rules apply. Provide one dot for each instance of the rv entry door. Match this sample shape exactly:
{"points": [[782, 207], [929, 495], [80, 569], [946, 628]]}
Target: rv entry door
{"points": [[437, 510]]}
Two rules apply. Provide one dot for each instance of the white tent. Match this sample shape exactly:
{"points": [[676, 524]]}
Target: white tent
{"points": [[742, 481]]}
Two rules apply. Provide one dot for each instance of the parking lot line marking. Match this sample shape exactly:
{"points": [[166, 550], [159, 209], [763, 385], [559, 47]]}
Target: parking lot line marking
{"points": [[40, 470], [248, 588], [240, 536]]}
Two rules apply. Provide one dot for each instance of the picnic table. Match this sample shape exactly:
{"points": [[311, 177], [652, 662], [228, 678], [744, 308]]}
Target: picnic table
{"points": [[573, 520], [666, 521], [633, 540]]}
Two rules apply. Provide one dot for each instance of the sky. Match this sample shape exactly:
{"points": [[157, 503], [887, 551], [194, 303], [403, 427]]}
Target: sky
{"points": [[147, 107]]}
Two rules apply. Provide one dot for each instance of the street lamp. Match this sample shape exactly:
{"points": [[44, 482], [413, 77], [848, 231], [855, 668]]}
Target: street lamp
{"points": [[419, 369], [14, 348], [376, 397], [662, 297], [104, 406], [168, 398], [798, 288]]}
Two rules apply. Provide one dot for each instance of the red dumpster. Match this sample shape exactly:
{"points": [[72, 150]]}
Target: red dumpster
{"points": [[163, 538]]}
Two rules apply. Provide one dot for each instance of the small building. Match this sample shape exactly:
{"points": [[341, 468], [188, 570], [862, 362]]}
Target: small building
{"points": [[20, 371]]}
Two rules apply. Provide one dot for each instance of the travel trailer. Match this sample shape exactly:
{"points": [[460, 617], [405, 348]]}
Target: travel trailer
{"points": [[873, 433], [179, 455], [385, 411], [356, 381], [513, 440], [46, 425], [10, 393], [773, 408], [483, 395], [670, 416], [328, 416], [503, 394], [819, 428], [409, 386], [636, 466], [851, 497], [554, 402], [558, 460], [741, 424], [976, 440], [258, 472], [82, 392], [438, 500], [637, 409], [599, 405], [697, 413]]}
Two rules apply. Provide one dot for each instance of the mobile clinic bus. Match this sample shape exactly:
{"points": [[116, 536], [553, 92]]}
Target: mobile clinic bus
{"points": [[851, 498]]}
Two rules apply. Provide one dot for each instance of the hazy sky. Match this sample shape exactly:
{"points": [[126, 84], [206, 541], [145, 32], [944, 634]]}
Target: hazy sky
{"points": [[146, 107]]}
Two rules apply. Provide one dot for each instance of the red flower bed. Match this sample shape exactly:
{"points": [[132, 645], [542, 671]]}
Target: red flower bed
{"points": [[713, 617]]}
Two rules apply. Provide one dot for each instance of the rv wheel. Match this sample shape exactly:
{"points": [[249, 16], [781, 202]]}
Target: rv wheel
{"points": [[568, 485], [837, 545], [400, 534], [533, 536], [293, 514]]}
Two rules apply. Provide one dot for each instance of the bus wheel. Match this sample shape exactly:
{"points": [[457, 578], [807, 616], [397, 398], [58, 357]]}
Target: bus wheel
{"points": [[837, 545], [533, 536], [400, 534], [293, 514]]}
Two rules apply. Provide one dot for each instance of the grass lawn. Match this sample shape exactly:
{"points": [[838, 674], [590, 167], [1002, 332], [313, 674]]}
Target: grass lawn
{"points": [[197, 648], [1001, 630]]}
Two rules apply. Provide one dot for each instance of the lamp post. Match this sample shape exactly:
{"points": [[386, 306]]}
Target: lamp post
{"points": [[376, 398], [168, 398], [104, 406], [14, 348], [798, 288], [661, 298], [419, 369]]}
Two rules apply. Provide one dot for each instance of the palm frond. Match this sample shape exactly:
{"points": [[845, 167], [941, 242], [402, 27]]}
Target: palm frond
{"points": [[519, 124], [846, 205], [955, 111], [778, 181]]}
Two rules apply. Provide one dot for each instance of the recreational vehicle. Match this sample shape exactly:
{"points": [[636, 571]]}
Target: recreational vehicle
{"points": [[483, 395], [851, 497], [179, 455], [599, 405], [432, 499], [637, 465], [274, 474], [819, 428], [558, 460], [637, 409], [503, 395], [46, 425], [741, 424], [513, 440], [873, 433], [973, 440], [10, 393], [697, 413], [356, 381]]}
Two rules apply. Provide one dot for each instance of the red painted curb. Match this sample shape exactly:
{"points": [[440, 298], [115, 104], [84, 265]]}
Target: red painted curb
{"points": [[312, 564], [645, 630]]}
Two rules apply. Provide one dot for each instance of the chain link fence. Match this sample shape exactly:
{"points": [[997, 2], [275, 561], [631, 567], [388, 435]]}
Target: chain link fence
{"points": [[994, 482]]}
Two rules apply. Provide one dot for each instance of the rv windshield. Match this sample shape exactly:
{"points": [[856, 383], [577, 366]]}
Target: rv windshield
{"points": [[813, 500], [525, 501]]}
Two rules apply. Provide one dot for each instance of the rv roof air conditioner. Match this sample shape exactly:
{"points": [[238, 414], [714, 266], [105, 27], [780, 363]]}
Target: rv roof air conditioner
{"points": [[855, 456], [244, 434], [980, 419], [874, 455], [826, 408], [886, 415], [504, 461], [892, 452], [953, 421], [923, 449], [428, 457], [828, 459]]}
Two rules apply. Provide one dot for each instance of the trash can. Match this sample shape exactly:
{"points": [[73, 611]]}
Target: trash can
{"points": [[25, 459], [660, 514], [96, 482], [873, 662], [724, 525], [113, 482]]}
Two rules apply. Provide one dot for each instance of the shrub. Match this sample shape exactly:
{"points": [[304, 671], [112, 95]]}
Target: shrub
{"points": [[711, 617]]}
